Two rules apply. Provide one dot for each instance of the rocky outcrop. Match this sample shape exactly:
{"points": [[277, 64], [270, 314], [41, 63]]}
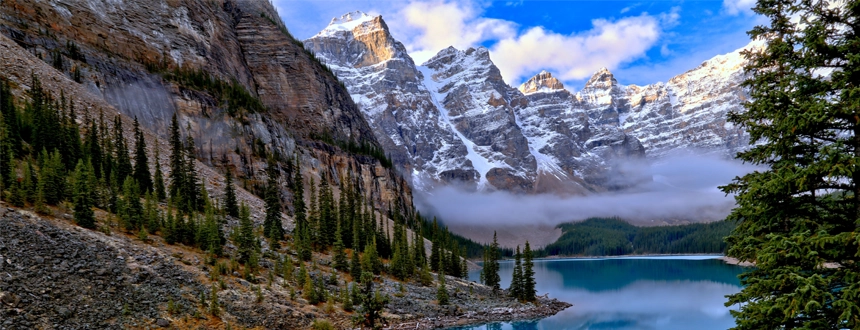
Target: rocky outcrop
{"points": [[388, 87], [129, 55], [687, 112], [453, 120]]}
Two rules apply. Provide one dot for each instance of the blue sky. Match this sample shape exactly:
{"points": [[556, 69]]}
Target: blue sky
{"points": [[641, 42]]}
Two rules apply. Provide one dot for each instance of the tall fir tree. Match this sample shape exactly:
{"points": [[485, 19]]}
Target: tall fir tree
{"points": [[84, 182], [272, 227], [801, 210], [121, 156], [528, 277], [246, 242], [231, 206], [516, 288], [158, 178], [491, 266], [141, 160], [177, 163]]}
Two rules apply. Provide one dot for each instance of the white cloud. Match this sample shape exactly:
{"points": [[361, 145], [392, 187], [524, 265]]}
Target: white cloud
{"points": [[428, 27], [735, 7], [577, 56]]}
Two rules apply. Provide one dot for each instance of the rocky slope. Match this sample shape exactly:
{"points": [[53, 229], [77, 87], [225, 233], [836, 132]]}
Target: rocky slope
{"points": [[59, 276], [142, 59], [453, 119]]}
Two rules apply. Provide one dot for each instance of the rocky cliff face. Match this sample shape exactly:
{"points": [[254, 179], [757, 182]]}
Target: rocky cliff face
{"points": [[687, 112], [126, 53], [453, 118]]}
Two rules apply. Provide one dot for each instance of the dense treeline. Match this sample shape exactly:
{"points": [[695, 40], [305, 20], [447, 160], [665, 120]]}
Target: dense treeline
{"points": [[48, 159], [612, 236]]}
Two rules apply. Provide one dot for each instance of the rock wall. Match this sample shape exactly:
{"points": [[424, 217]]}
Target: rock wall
{"points": [[123, 50]]}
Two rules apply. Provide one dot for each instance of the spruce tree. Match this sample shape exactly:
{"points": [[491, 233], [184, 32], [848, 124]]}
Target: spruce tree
{"points": [[141, 161], [491, 266], [516, 288], [801, 209], [355, 265], [339, 259], [121, 156], [231, 206], [84, 180], [246, 241], [442, 291], [177, 163], [272, 227], [528, 275], [158, 179]]}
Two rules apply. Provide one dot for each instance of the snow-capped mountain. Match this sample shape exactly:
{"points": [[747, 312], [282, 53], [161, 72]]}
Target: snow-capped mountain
{"points": [[454, 119], [688, 112]]}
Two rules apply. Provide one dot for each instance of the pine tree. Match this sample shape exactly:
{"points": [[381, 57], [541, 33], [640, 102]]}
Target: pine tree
{"points": [[177, 163], [141, 161], [516, 289], [246, 242], [84, 180], [123, 163], [158, 179], [370, 312], [231, 206], [272, 227], [491, 266], [802, 210], [528, 276], [339, 259], [442, 291], [435, 255], [355, 266]]}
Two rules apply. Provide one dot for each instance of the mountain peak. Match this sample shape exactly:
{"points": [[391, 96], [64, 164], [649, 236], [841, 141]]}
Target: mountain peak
{"points": [[543, 81], [602, 79], [356, 16], [350, 21]]}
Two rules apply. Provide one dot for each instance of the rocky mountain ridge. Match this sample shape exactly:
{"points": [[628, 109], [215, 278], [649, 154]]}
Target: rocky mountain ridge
{"points": [[453, 119], [201, 60]]}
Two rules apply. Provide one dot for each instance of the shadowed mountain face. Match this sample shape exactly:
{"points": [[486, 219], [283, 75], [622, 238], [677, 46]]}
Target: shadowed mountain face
{"points": [[151, 59], [453, 119]]}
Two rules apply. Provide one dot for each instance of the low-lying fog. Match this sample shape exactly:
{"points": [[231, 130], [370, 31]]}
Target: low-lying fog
{"points": [[682, 188]]}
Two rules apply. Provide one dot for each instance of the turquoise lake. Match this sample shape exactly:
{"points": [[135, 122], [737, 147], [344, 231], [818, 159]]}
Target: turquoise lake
{"points": [[667, 293]]}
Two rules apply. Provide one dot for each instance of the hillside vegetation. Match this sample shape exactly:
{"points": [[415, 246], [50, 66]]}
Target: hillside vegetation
{"points": [[613, 236]]}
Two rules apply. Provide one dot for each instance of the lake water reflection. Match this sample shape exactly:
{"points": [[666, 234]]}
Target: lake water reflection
{"points": [[632, 293]]}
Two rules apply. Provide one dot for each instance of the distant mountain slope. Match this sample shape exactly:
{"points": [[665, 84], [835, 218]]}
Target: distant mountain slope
{"points": [[453, 119]]}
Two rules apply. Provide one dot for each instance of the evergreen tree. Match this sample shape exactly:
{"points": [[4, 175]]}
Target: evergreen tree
{"points": [[802, 211], [158, 179], [355, 266], [11, 122], [339, 259], [435, 255], [272, 227], [177, 164], [231, 206], [516, 289], [84, 181], [528, 275], [131, 209], [490, 271], [193, 187], [370, 261], [93, 149], [246, 242], [141, 161], [442, 291], [121, 156], [370, 312]]}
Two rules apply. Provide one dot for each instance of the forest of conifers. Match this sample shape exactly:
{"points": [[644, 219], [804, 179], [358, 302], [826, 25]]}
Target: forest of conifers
{"points": [[613, 236]]}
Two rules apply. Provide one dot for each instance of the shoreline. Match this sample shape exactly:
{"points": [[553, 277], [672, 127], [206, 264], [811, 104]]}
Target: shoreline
{"points": [[543, 308]]}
